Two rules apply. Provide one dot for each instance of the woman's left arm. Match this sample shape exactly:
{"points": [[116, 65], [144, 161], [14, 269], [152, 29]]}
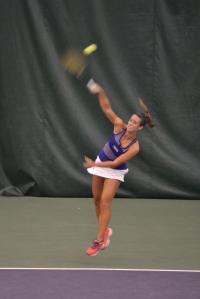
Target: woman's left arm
{"points": [[132, 151]]}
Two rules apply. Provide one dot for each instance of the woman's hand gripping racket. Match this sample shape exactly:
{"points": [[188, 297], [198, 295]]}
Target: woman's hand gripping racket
{"points": [[75, 62]]}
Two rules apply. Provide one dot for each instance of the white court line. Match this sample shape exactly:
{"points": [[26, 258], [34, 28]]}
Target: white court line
{"points": [[104, 269]]}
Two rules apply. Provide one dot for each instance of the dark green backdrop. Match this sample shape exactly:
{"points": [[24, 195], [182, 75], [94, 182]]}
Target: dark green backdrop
{"points": [[48, 120]]}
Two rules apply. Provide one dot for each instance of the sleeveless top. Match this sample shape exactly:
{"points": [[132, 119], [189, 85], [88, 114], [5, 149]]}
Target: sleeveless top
{"points": [[113, 149]]}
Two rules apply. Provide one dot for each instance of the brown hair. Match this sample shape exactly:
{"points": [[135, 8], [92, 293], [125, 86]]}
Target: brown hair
{"points": [[146, 116]]}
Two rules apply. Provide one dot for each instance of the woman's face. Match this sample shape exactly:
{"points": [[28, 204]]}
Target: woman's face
{"points": [[134, 124]]}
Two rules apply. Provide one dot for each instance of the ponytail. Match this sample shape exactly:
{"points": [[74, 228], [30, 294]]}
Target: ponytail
{"points": [[146, 115]]}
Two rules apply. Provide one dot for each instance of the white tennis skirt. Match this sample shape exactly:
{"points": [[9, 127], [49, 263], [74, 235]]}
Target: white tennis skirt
{"points": [[106, 172]]}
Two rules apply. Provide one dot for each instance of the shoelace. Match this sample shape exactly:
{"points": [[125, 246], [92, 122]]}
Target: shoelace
{"points": [[96, 244]]}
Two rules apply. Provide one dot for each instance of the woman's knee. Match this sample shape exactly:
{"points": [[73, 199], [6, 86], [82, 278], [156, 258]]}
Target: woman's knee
{"points": [[105, 204], [97, 198]]}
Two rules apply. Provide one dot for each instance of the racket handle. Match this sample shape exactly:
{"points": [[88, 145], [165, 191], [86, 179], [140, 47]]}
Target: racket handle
{"points": [[86, 79], [90, 83]]}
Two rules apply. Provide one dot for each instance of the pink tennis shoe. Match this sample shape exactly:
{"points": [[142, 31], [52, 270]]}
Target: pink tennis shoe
{"points": [[107, 235], [96, 246]]}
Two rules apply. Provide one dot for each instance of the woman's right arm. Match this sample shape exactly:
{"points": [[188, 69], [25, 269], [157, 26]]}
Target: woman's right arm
{"points": [[105, 105]]}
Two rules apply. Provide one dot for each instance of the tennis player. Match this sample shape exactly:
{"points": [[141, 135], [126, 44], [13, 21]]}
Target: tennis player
{"points": [[110, 166]]}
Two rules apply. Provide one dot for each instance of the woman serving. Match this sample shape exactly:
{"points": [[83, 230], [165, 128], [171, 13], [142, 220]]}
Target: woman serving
{"points": [[110, 166]]}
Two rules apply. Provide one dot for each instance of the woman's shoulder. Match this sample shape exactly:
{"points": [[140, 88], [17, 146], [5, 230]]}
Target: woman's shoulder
{"points": [[135, 144], [119, 125], [120, 132]]}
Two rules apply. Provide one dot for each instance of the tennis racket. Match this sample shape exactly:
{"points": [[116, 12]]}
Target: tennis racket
{"points": [[75, 62]]}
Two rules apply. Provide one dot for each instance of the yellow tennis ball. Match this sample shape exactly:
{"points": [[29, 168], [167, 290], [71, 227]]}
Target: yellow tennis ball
{"points": [[90, 49]]}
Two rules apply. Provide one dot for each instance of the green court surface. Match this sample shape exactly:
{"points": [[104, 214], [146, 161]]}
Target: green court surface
{"points": [[55, 232]]}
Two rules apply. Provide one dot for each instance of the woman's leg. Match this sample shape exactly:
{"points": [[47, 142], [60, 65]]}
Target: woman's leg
{"points": [[110, 188], [97, 189]]}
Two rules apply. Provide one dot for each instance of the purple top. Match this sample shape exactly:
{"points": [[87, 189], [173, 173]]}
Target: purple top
{"points": [[113, 149]]}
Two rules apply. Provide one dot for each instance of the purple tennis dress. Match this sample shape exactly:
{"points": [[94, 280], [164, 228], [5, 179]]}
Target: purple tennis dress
{"points": [[110, 151]]}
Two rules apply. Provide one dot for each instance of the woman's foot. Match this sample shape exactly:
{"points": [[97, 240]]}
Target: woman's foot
{"points": [[95, 247], [107, 235]]}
